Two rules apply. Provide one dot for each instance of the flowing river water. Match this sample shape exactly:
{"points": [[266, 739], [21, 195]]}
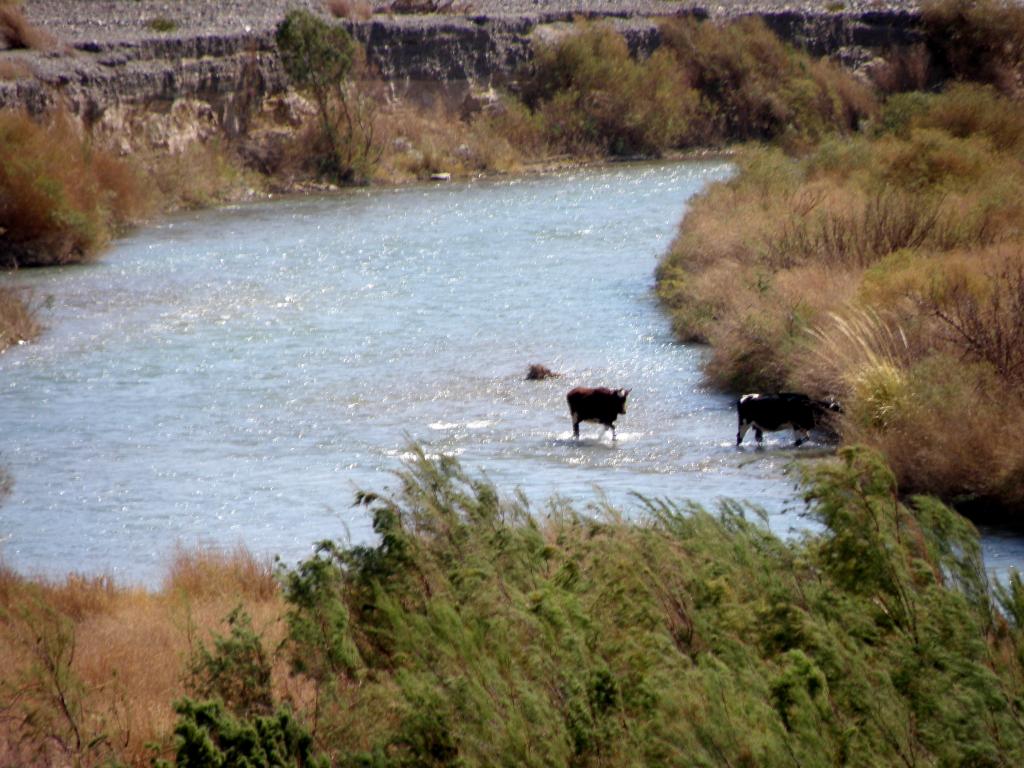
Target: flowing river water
{"points": [[234, 376]]}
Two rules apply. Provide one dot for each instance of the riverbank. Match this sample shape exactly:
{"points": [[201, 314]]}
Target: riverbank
{"points": [[884, 270]]}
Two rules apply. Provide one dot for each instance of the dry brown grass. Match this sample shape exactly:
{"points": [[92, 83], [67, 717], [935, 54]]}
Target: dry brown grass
{"points": [[208, 573], [61, 198], [980, 461], [419, 141], [19, 320], [200, 176], [122, 654], [356, 10], [14, 70], [19, 33]]}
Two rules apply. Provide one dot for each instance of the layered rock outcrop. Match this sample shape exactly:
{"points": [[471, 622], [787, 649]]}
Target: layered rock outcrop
{"points": [[115, 55]]}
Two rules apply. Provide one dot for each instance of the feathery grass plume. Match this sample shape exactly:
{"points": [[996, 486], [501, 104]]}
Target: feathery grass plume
{"points": [[473, 632], [478, 634], [931, 199], [867, 358]]}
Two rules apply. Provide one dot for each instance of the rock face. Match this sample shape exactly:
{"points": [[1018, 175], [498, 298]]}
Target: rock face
{"points": [[148, 54]]}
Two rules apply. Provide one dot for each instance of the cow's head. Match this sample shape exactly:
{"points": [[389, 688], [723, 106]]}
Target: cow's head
{"points": [[622, 394]]}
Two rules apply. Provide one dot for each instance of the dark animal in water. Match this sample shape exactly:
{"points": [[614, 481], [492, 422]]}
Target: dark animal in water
{"points": [[538, 372], [768, 413], [596, 404]]}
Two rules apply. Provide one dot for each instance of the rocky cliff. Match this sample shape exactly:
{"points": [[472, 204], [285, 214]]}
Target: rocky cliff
{"points": [[114, 56]]}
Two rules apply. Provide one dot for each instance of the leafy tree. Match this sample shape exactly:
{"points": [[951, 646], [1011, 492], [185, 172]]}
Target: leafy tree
{"points": [[320, 58]]}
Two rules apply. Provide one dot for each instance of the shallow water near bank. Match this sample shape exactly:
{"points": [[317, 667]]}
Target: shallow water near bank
{"points": [[235, 375]]}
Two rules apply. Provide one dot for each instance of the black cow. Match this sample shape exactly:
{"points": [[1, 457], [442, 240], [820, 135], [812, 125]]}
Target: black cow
{"points": [[768, 413], [595, 404]]}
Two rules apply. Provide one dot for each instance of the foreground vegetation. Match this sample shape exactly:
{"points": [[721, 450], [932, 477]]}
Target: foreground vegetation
{"points": [[476, 633]]}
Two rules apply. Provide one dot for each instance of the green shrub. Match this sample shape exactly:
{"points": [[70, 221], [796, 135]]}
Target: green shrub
{"points": [[236, 671], [594, 97], [208, 735], [967, 111], [916, 225], [708, 84], [900, 112], [163, 24], [754, 86]]}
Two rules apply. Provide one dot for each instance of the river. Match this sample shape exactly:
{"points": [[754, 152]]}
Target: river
{"points": [[235, 375]]}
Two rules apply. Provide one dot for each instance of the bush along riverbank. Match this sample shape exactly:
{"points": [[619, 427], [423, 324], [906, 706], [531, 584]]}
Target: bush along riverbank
{"points": [[887, 270], [476, 633]]}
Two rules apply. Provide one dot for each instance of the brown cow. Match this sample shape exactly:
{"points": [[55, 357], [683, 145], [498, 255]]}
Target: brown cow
{"points": [[596, 404]]}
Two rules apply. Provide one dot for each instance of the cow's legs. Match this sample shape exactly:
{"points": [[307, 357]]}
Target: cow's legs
{"points": [[613, 432], [758, 435], [576, 426], [742, 431], [801, 435]]}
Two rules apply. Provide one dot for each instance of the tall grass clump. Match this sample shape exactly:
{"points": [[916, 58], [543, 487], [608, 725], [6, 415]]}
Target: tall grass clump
{"points": [[61, 198], [90, 669], [916, 225]]}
